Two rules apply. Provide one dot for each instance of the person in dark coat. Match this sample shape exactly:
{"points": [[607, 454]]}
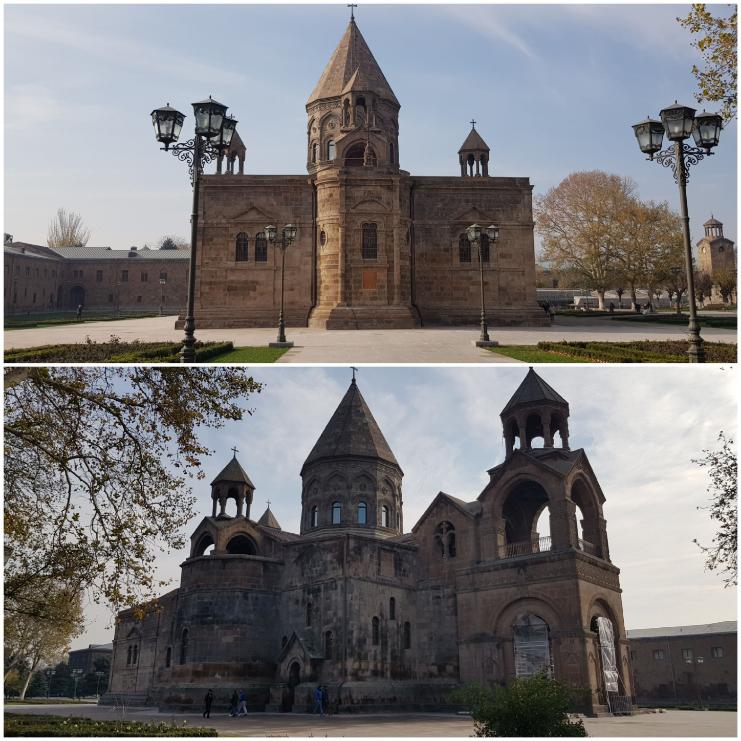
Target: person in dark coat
{"points": [[207, 701], [233, 704]]}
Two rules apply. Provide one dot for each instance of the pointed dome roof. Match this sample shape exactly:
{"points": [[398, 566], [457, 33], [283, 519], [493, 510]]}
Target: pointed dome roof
{"points": [[532, 390], [268, 520], [474, 142], [712, 221], [352, 431], [352, 56], [234, 473]]}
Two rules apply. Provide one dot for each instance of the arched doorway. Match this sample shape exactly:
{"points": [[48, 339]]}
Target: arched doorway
{"points": [[77, 296], [294, 678]]}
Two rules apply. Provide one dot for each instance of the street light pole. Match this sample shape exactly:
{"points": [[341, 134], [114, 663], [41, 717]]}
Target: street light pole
{"points": [[162, 296], [679, 122], [475, 235], [288, 235], [213, 134]]}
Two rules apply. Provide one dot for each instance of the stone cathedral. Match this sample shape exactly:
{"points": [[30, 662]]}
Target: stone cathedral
{"points": [[386, 617], [376, 246]]}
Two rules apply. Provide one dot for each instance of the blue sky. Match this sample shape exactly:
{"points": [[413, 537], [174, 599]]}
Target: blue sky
{"points": [[555, 89], [640, 431]]}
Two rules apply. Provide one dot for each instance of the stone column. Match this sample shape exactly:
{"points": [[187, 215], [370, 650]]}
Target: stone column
{"points": [[563, 524], [565, 434], [240, 504], [545, 420], [213, 511], [478, 162], [463, 166], [222, 505]]}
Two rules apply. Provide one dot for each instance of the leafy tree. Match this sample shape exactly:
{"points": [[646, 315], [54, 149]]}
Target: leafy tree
{"points": [[703, 286], [717, 42], [581, 223], [67, 230], [172, 242], [532, 706], [97, 466], [722, 469], [726, 281], [36, 640]]}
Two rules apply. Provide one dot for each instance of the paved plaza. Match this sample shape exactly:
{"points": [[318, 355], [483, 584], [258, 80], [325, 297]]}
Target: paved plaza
{"points": [[427, 345], [671, 723]]}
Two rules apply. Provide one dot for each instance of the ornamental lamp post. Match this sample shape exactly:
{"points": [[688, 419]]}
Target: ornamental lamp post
{"points": [[475, 234], [675, 271], [679, 122], [49, 674], [213, 134], [163, 281], [100, 676], [76, 674], [288, 236]]}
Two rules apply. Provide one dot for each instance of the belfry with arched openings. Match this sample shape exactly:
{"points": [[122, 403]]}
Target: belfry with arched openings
{"points": [[510, 583]]}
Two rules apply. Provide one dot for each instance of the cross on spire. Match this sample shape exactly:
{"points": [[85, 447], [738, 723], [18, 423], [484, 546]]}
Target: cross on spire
{"points": [[234, 449], [268, 501], [473, 124], [354, 370], [352, 11]]}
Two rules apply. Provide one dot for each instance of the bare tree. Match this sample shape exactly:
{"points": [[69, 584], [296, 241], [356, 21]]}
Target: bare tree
{"points": [[67, 229]]}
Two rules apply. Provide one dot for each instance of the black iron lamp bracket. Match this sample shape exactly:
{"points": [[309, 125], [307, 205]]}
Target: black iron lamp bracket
{"points": [[185, 152], [692, 155]]}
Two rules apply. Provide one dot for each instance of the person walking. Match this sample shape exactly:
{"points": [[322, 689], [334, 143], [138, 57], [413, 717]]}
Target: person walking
{"points": [[319, 700], [207, 702], [242, 710], [233, 703], [79, 311]]}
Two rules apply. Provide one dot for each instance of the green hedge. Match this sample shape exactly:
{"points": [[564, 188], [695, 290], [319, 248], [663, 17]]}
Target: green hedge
{"points": [[115, 351], [51, 725], [642, 351]]}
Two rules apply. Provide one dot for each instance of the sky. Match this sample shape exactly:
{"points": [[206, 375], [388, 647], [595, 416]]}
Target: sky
{"points": [[640, 427], [554, 89]]}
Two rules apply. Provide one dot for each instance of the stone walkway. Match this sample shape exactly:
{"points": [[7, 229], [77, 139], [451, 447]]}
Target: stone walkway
{"points": [[428, 345], [672, 723]]}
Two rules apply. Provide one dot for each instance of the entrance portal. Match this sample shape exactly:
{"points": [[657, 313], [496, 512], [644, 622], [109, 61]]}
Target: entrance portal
{"points": [[294, 678], [77, 297]]}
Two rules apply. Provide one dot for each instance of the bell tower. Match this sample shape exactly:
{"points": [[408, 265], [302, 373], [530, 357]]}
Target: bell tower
{"points": [[232, 483], [535, 411], [474, 155]]}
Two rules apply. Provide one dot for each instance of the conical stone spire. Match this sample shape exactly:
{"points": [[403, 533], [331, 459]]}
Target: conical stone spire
{"points": [[533, 390], [352, 432], [352, 58]]}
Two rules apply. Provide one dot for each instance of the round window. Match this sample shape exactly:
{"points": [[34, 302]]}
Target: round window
{"points": [[322, 238]]}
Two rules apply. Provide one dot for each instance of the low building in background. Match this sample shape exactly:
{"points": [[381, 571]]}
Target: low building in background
{"points": [[685, 665], [85, 658], [40, 279]]}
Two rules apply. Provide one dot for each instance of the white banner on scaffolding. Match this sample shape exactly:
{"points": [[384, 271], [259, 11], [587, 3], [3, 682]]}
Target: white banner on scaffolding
{"points": [[607, 649]]}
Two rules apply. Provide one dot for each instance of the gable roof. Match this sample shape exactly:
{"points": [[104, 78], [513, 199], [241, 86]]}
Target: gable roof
{"points": [[726, 626], [352, 59], [351, 431], [473, 142], [469, 509], [533, 389], [232, 471]]}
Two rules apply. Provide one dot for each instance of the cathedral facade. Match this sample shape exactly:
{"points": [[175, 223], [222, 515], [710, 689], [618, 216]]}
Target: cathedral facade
{"points": [[382, 616], [376, 246]]}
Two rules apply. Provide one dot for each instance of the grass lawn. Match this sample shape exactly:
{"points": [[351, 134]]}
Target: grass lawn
{"points": [[717, 322], [642, 351], [532, 354], [29, 321], [51, 725], [250, 355]]}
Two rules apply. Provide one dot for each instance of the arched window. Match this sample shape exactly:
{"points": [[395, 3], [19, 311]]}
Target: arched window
{"points": [[261, 247], [464, 249], [315, 516], [385, 519], [168, 657], [445, 539], [135, 654], [346, 113], [375, 625], [531, 644], [128, 655], [336, 513], [328, 645], [241, 544], [308, 614], [184, 647], [407, 635], [392, 609], [362, 513], [392, 158], [242, 247], [484, 247], [206, 543], [330, 149], [355, 155], [370, 242], [314, 149]]}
